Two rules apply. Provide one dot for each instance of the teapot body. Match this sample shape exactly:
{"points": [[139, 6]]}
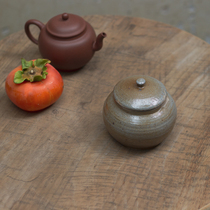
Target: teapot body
{"points": [[139, 129], [67, 40], [67, 54]]}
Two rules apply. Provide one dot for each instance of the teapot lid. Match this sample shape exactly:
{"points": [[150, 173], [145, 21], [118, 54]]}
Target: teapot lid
{"points": [[66, 25], [140, 93]]}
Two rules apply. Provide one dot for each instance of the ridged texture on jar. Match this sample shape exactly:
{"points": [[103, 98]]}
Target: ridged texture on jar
{"points": [[142, 129]]}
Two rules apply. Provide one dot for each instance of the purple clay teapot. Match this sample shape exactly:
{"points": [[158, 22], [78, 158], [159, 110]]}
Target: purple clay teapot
{"points": [[67, 40]]}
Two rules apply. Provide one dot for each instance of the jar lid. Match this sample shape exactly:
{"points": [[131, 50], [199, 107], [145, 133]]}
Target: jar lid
{"points": [[66, 25], [140, 93]]}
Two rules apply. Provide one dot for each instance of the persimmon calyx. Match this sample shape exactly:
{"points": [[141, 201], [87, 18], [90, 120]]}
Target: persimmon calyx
{"points": [[32, 71]]}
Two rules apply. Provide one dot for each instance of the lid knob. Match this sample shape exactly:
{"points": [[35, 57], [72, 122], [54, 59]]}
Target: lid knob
{"points": [[65, 16], [140, 82]]}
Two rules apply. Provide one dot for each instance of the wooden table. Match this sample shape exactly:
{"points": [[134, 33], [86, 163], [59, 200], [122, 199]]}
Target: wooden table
{"points": [[63, 157]]}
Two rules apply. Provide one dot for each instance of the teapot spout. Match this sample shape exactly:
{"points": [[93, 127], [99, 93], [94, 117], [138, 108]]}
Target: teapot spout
{"points": [[97, 45]]}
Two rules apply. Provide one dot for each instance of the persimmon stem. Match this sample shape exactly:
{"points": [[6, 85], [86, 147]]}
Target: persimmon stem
{"points": [[32, 72]]}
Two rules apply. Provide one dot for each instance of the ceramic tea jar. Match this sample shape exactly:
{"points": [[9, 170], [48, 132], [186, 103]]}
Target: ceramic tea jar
{"points": [[139, 112], [67, 40]]}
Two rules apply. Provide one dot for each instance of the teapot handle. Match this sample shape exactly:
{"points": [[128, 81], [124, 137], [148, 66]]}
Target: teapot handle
{"points": [[28, 32]]}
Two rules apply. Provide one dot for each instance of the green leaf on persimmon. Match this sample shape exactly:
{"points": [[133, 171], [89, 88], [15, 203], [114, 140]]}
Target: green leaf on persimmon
{"points": [[18, 77], [41, 63], [26, 64]]}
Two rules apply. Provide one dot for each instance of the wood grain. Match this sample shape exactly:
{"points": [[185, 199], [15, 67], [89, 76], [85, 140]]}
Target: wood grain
{"points": [[63, 157]]}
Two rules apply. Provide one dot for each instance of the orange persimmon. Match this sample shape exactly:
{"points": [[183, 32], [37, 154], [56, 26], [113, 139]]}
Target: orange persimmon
{"points": [[34, 85]]}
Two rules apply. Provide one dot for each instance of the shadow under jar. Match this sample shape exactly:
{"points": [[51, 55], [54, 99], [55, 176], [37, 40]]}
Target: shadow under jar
{"points": [[139, 112]]}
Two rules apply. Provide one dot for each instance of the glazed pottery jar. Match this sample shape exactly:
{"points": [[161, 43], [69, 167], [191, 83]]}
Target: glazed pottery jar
{"points": [[67, 40], [139, 112]]}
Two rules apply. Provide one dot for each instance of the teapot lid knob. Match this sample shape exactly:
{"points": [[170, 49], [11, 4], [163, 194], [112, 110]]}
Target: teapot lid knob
{"points": [[140, 82], [65, 16]]}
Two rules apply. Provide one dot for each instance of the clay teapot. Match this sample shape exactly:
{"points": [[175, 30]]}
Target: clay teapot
{"points": [[67, 40], [139, 112]]}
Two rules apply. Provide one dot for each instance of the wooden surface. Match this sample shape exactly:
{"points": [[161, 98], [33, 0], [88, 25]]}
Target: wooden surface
{"points": [[63, 158]]}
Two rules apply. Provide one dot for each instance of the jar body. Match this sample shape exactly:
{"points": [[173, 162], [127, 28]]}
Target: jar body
{"points": [[139, 129], [67, 54]]}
